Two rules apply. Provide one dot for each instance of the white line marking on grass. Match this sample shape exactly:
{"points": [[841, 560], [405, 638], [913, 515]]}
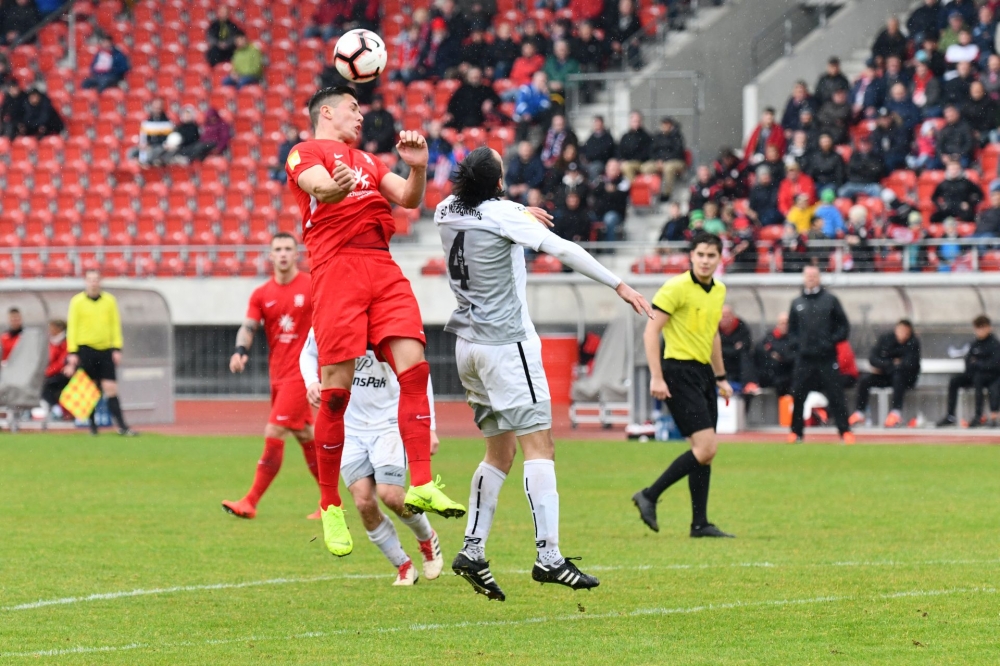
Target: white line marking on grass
{"points": [[181, 588], [639, 612], [124, 594]]}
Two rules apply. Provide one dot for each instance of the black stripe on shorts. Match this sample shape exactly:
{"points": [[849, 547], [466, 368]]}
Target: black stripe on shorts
{"points": [[524, 363]]}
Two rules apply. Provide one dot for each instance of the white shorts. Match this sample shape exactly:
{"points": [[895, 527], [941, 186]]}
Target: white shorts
{"points": [[381, 456], [505, 386]]}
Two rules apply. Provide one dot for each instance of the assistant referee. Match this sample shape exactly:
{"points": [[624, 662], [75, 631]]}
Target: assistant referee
{"points": [[688, 376], [94, 344]]}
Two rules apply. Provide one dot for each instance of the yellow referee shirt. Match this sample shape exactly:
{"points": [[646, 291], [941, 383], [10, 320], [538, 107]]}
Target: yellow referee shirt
{"points": [[695, 310], [93, 323]]}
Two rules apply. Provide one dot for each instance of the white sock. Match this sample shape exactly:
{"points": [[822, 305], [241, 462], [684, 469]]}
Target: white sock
{"points": [[485, 493], [419, 525], [384, 536], [540, 488]]}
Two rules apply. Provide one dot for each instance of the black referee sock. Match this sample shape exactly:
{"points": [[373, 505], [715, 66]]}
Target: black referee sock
{"points": [[115, 408], [683, 465], [698, 481]]}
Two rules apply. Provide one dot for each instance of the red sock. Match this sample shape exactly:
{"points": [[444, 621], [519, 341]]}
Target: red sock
{"points": [[309, 451], [415, 421], [267, 468], [330, 444]]}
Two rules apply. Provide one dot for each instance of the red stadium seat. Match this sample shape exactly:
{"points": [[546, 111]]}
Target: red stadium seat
{"points": [[65, 225], [153, 195], [545, 263], [148, 225], [261, 224], [990, 261], [32, 266], [120, 226], [37, 226], [59, 265], [175, 227], [926, 184], [676, 263], [434, 266], [209, 195], [903, 182], [171, 264], [181, 195], [267, 194], [231, 227], [226, 264], [989, 157], [92, 227], [202, 230], [652, 263]]}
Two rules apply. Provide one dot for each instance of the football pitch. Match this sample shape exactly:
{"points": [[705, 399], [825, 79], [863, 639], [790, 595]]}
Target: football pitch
{"points": [[117, 552]]}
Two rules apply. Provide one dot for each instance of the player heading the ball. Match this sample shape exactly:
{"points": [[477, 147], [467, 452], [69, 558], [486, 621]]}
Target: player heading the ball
{"points": [[359, 294]]}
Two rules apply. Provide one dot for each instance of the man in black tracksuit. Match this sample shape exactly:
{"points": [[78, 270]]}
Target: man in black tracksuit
{"points": [[895, 362], [737, 351], [816, 323], [774, 358], [982, 370]]}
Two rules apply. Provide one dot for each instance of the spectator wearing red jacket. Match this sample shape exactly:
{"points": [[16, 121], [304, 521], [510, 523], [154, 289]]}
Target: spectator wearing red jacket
{"points": [[55, 377], [768, 132], [12, 335], [794, 184], [525, 67]]}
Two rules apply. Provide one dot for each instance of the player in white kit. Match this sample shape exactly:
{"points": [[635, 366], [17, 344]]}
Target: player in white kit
{"points": [[499, 359], [374, 461]]}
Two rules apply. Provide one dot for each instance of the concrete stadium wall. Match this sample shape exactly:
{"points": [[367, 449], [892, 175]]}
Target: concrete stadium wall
{"points": [[855, 26], [721, 52]]}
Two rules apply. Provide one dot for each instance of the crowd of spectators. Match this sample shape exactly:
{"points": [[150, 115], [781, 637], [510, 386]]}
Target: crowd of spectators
{"points": [[586, 185], [28, 113], [927, 100], [163, 141]]}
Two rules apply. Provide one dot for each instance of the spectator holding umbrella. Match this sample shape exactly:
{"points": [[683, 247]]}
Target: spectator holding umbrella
{"points": [[108, 67]]}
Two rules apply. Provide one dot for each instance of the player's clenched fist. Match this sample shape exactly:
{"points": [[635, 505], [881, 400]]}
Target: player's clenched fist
{"points": [[344, 177], [412, 149]]}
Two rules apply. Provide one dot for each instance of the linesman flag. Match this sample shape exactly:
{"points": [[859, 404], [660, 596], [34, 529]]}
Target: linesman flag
{"points": [[80, 396]]}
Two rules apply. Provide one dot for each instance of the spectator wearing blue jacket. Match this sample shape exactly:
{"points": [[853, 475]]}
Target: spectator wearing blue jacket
{"points": [[532, 104], [868, 92], [108, 68], [524, 172], [833, 221]]}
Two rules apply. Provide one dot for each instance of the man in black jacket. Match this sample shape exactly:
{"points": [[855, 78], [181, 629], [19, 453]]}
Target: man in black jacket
{"points": [[378, 129], [955, 196], [816, 323], [18, 18], [831, 81], [737, 351], [895, 362], [221, 36], [865, 171], [924, 21], [466, 106], [667, 156], [988, 221], [825, 166], [956, 137], [982, 371], [598, 148], [635, 146], [12, 111], [774, 358]]}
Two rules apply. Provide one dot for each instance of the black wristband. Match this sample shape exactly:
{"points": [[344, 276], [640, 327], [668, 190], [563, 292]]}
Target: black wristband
{"points": [[242, 351], [720, 378]]}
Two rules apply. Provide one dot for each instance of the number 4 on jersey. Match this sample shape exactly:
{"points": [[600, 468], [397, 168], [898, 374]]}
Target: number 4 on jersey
{"points": [[457, 267]]}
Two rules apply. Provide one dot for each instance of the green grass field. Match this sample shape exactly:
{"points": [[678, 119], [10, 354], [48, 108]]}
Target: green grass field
{"points": [[863, 555]]}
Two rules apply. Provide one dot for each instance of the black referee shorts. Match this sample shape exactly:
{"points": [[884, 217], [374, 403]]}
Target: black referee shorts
{"points": [[97, 363], [693, 400]]}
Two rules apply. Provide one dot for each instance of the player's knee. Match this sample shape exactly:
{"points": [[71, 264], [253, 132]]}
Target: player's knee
{"points": [[414, 379], [392, 497], [272, 431], [367, 506], [109, 388], [336, 400]]}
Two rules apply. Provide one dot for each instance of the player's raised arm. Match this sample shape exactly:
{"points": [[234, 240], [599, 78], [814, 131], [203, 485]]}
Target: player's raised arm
{"points": [[326, 187], [408, 193]]}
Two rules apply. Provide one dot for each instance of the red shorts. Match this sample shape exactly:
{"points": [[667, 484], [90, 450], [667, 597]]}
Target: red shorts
{"points": [[361, 297], [289, 406]]}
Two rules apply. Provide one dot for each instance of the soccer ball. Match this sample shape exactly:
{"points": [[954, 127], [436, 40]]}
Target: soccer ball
{"points": [[360, 55]]}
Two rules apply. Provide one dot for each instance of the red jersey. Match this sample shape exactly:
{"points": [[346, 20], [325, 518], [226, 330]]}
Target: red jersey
{"points": [[286, 310], [8, 340], [365, 216], [57, 356]]}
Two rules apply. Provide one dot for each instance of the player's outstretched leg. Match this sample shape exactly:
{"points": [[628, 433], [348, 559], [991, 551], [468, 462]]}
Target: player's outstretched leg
{"points": [[384, 536], [550, 566], [267, 468], [329, 451], [414, 420], [427, 539], [470, 563]]}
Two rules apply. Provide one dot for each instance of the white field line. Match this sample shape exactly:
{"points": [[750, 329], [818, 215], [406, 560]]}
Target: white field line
{"points": [[448, 626], [124, 594]]}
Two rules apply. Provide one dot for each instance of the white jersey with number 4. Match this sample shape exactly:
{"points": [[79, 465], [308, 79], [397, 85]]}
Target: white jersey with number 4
{"points": [[374, 404]]}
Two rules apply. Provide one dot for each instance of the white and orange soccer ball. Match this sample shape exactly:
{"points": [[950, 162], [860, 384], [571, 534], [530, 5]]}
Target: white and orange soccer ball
{"points": [[360, 55]]}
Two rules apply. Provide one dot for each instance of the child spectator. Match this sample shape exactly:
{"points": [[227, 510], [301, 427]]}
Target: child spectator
{"points": [[833, 221]]}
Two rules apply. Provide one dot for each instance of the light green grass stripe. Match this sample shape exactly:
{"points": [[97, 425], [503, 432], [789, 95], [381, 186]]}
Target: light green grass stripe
{"points": [[448, 626]]}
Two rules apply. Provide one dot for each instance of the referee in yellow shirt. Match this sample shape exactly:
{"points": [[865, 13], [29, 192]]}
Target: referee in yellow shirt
{"points": [[94, 344], [688, 376]]}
